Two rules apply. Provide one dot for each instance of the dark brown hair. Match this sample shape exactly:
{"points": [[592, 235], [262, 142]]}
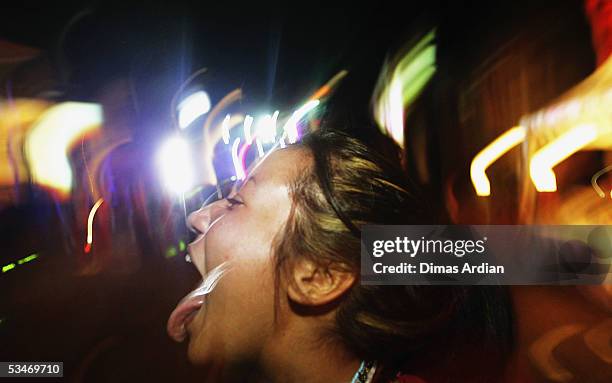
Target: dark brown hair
{"points": [[403, 328]]}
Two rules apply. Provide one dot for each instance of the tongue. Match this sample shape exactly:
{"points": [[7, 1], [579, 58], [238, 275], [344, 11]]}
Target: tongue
{"points": [[178, 319], [192, 303]]}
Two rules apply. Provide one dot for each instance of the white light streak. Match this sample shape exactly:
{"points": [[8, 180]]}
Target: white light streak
{"points": [[237, 160], [192, 107]]}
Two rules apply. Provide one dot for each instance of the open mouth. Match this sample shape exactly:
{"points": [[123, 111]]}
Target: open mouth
{"points": [[189, 306]]}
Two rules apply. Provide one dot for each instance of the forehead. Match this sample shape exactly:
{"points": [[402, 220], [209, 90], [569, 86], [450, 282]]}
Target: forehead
{"points": [[280, 166]]}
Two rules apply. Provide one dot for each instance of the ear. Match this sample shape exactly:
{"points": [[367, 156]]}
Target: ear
{"points": [[312, 284]]}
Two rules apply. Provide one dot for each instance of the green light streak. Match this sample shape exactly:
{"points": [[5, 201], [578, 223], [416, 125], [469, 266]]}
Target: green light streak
{"points": [[171, 252], [418, 52], [27, 259], [413, 89], [8, 267], [182, 246], [405, 82]]}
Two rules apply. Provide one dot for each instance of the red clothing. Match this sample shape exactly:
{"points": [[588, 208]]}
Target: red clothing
{"points": [[600, 15]]}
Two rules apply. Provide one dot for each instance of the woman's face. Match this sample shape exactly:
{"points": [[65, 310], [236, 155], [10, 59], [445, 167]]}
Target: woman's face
{"points": [[236, 319]]}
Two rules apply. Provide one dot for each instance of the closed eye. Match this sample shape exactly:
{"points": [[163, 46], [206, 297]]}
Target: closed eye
{"points": [[233, 202]]}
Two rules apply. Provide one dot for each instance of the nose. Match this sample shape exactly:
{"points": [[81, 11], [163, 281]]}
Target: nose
{"points": [[201, 220]]}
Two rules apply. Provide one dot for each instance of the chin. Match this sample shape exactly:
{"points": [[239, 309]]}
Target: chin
{"points": [[200, 354], [195, 354]]}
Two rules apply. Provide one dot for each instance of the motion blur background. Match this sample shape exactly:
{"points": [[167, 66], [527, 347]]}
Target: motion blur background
{"points": [[111, 131]]}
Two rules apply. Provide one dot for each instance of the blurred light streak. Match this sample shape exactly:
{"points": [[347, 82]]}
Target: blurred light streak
{"points": [[210, 139], [100, 155], [272, 127], [262, 130], [541, 352], [594, 179], [90, 219], [578, 207], [225, 129], [16, 118], [260, 150], [542, 162], [192, 107], [248, 122], [266, 128], [173, 106], [395, 118], [402, 83], [210, 281], [235, 121], [27, 259], [8, 267], [49, 141], [171, 252], [599, 340], [588, 103], [291, 126], [191, 193], [492, 153], [329, 86], [175, 163], [241, 160], [238, 169]]}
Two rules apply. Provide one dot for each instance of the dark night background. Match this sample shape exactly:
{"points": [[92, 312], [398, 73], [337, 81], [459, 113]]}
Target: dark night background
{"points": [[110, 327]]}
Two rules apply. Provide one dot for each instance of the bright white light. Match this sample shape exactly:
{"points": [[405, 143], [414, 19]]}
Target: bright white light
{"points": [[291, 126], [192, 107], [174, 160]]}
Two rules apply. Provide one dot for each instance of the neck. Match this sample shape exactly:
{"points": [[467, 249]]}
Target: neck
{"points": [[294, 356]]}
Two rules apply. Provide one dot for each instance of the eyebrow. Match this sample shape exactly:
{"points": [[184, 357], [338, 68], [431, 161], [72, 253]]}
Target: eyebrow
{"points": [[241, 183]]}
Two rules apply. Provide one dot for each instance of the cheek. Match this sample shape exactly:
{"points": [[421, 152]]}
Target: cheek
{"points": [[238, 238], [239, 314], [250, 277]]}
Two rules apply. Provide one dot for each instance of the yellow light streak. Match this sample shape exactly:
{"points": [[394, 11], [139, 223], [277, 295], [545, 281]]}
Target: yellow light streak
{"points": [[49, 141], [542, 162], [492, 153], [90, 219]]}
